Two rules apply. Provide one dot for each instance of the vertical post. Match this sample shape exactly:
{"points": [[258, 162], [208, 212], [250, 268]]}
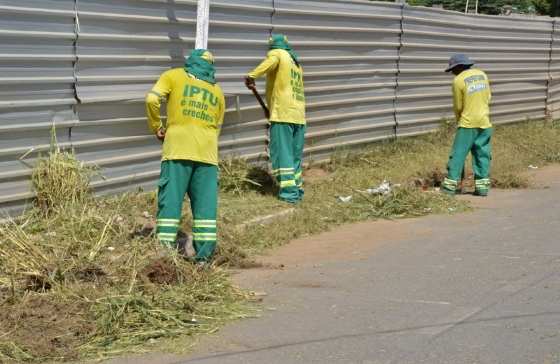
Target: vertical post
{"points": [[202, 24], [476, 8], [467, 7]]}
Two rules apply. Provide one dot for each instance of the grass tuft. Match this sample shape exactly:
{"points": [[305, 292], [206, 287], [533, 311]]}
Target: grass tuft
{"points": [[85, 278], [78, 281], [61, 180], [236, 176]]}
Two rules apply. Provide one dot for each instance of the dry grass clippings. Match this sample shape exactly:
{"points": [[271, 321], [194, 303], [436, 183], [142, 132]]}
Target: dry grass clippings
{"points": [[85, 278]]}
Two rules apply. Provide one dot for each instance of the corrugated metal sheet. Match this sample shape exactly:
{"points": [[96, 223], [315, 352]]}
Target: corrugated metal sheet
{"points": [[554, 74], [514, 53], [123, 46], [37, 88], [372, 71], [238, 37], [349, 54]]}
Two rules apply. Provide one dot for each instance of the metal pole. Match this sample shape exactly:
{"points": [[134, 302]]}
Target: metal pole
{"points": [[202, 24], [476, 8], [467, 7]]}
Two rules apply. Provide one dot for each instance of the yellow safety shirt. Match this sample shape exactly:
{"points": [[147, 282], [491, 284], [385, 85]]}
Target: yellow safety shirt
{"points": [[471, 99], [195, 113], [284, 87]]}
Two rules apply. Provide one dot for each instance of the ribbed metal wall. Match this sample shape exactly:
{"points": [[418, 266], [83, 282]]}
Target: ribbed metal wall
{"points": [[349, 54], [554, 76], [123, 46], [514, 53], [36, 88], [238, 37], [372, 71]]}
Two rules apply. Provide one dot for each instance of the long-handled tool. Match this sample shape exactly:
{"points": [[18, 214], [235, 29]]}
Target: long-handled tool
{"points": [[266, 114], [261, 102]]}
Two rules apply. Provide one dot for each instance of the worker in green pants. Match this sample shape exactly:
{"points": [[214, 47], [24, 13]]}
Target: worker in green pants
{"points": [[471, 99], [195, 113], [286, 101]]}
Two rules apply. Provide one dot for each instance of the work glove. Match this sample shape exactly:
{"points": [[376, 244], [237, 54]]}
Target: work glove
{"points": [[250, 82]]}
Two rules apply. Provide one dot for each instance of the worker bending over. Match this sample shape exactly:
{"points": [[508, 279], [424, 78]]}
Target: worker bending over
{"points": [[471, 99], [286, 101]]}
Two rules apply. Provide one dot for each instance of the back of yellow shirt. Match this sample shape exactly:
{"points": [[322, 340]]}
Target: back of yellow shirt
{"points": [[284, 87], [471, 99], [195, 113]]}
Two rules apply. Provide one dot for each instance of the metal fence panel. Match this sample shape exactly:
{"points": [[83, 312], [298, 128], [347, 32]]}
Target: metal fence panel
{"points": [[554, 75], [123, 47], [36, 78], [372, 71], [514, 52], [238, 37], [349, 55]]}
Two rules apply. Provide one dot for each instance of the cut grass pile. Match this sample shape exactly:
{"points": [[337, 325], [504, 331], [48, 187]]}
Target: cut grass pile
{"points": [[84, 278], [416, 163]]}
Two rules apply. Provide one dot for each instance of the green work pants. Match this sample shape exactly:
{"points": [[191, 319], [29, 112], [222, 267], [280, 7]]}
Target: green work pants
{"points": [[286, 151], [200, 182], [477, 141]]}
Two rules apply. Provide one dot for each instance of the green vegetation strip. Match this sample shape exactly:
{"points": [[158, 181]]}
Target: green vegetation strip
{"points": [[84, 278]]}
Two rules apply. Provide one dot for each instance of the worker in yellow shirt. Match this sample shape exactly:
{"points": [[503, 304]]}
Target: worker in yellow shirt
{"points": [[195, 113], [471, 99], [286, 101]]}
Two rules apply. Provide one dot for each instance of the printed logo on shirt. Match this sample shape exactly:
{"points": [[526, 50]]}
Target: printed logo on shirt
{"points": [[197, 102], [476, 84], [297, 85]]}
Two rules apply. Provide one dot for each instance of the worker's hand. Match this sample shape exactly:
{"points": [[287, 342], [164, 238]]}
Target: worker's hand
{"points": [[160, 134], [250, 83]]}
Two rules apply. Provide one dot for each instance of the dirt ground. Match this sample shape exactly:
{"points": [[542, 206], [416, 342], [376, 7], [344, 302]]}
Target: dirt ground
{"points": [[357, 238]]}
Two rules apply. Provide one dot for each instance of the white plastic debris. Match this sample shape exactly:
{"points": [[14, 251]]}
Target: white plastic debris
{"points": [[258, 294], [110, 248], [345, 199], [383, 189], [533, 167], [146, 214]]}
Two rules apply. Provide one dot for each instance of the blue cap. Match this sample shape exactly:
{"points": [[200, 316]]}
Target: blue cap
{"points": [[458, 60]]}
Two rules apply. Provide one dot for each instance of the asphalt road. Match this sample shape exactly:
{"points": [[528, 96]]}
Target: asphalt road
{"points": [[481, 287]]}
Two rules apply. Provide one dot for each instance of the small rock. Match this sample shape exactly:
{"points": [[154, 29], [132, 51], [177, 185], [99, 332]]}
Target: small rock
{"points": [[146, 214]]}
